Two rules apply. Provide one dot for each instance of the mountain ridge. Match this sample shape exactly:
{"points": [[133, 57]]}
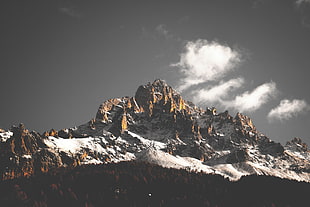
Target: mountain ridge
{"points": [[158, 126]]}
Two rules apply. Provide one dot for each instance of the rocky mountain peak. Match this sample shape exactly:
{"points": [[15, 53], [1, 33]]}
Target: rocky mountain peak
{"points": [[158, 84], [245, 122], [161, 96], [245, 126], [150, 100], [297, 144]]}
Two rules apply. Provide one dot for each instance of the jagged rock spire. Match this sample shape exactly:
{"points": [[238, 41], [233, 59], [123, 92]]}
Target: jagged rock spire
{"points": [[161, 94]]}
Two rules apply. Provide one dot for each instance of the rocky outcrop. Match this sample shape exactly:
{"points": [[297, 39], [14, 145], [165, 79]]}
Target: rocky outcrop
{"points": [[22, 142], [158, 96], [25, 154], [237, 156], [245, 127], [65, 133], [267, 146], [44, 160], [297, 144]]}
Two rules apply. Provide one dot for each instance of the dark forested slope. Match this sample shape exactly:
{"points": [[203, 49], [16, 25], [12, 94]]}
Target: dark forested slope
{"points": [[142, 184]]}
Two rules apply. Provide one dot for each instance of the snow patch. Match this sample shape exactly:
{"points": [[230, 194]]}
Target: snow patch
{"points": [[147, 142], [229, 171], [5, 136], [27, 156], [164, 159], [76, 144]]}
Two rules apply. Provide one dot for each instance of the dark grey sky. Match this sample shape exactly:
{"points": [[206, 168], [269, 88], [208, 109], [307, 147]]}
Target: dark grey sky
{"points": [[61, 59]]}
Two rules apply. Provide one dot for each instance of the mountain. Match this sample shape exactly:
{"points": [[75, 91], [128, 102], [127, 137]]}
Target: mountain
{"points": [[156, 126]]}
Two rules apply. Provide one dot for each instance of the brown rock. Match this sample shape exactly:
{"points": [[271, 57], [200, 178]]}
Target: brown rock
{"points": [[22, 153], [159, 95], [22, 142], [124, 123], [237, 156], [65, 133], [298, 145]]}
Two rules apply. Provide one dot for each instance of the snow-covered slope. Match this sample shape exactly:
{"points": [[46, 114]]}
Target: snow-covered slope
{"points": [[158, 126], [143, 149]]}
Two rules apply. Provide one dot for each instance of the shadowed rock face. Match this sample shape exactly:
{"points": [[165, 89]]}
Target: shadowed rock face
{"points": [[237, 156], [25, 154], [22, 141], [297, 144], [17, 150], [157, 113]]}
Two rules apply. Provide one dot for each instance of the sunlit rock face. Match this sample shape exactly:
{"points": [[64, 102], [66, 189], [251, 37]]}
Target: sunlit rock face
{"points": [[24, 153], [156, 125]]}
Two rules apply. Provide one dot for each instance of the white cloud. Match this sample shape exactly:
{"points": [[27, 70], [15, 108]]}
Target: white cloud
{"points": [[217, 93], [288, 109], [204, 61], [251, 101]]}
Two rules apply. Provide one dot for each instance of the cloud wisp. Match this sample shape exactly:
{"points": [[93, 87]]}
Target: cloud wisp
{"points": [[217, 93], [251, 101], [162, 30], [288, 109], [204, 61], [247, 101]]}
